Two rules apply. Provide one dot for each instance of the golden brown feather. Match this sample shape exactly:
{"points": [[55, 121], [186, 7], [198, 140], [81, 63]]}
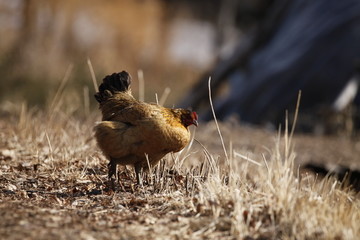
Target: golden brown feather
{"points": [[132, 131]]}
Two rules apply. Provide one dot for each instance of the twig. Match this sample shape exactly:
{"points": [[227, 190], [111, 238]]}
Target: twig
{"points": [[164, 96], [295, 115], [92, 74], [141, 85], [216, 123]]}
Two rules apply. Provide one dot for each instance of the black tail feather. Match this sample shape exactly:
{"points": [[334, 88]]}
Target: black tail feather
{"points": [[116, 82]]}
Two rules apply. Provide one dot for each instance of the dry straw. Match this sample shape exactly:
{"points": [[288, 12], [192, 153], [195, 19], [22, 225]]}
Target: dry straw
{"points": [[57, 176]]}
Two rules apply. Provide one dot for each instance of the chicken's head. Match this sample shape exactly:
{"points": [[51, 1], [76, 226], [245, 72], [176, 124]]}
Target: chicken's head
{"points": [[189, 118]]}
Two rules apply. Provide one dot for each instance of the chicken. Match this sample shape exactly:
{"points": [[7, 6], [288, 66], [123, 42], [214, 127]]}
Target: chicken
{"points": [[133, 132]]}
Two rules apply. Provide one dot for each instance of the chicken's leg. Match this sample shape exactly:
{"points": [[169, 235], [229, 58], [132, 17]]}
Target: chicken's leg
{"points": [[112, 168]]}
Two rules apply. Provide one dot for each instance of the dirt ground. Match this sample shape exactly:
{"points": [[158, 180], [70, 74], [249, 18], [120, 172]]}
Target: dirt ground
{"points": [[53, 185]]}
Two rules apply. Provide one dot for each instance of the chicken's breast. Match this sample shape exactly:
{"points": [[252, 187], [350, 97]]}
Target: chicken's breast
{"points": [[138, 130]]}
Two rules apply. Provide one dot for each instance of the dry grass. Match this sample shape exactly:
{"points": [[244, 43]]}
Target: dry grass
{"points": [[53, 184]]}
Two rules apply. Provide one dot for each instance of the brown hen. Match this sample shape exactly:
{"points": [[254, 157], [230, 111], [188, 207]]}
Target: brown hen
{"points": [[133, 132]]}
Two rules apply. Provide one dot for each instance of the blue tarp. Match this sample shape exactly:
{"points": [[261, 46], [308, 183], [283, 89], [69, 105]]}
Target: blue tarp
{"points": [[314, 49]]}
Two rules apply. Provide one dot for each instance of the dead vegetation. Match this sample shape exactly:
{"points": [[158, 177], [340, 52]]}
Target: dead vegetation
{"points": [[53, 178], [53, 184]]}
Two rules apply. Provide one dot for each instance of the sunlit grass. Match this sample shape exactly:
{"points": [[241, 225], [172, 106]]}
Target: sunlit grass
{"points": [[50, 165]]}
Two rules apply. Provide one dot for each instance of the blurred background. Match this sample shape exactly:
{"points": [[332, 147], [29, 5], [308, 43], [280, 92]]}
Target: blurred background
{"points": [[172, 42], [259, 54]]}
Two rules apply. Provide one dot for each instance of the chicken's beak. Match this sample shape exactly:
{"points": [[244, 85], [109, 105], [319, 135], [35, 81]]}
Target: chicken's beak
{"points": [[195, 122]]}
